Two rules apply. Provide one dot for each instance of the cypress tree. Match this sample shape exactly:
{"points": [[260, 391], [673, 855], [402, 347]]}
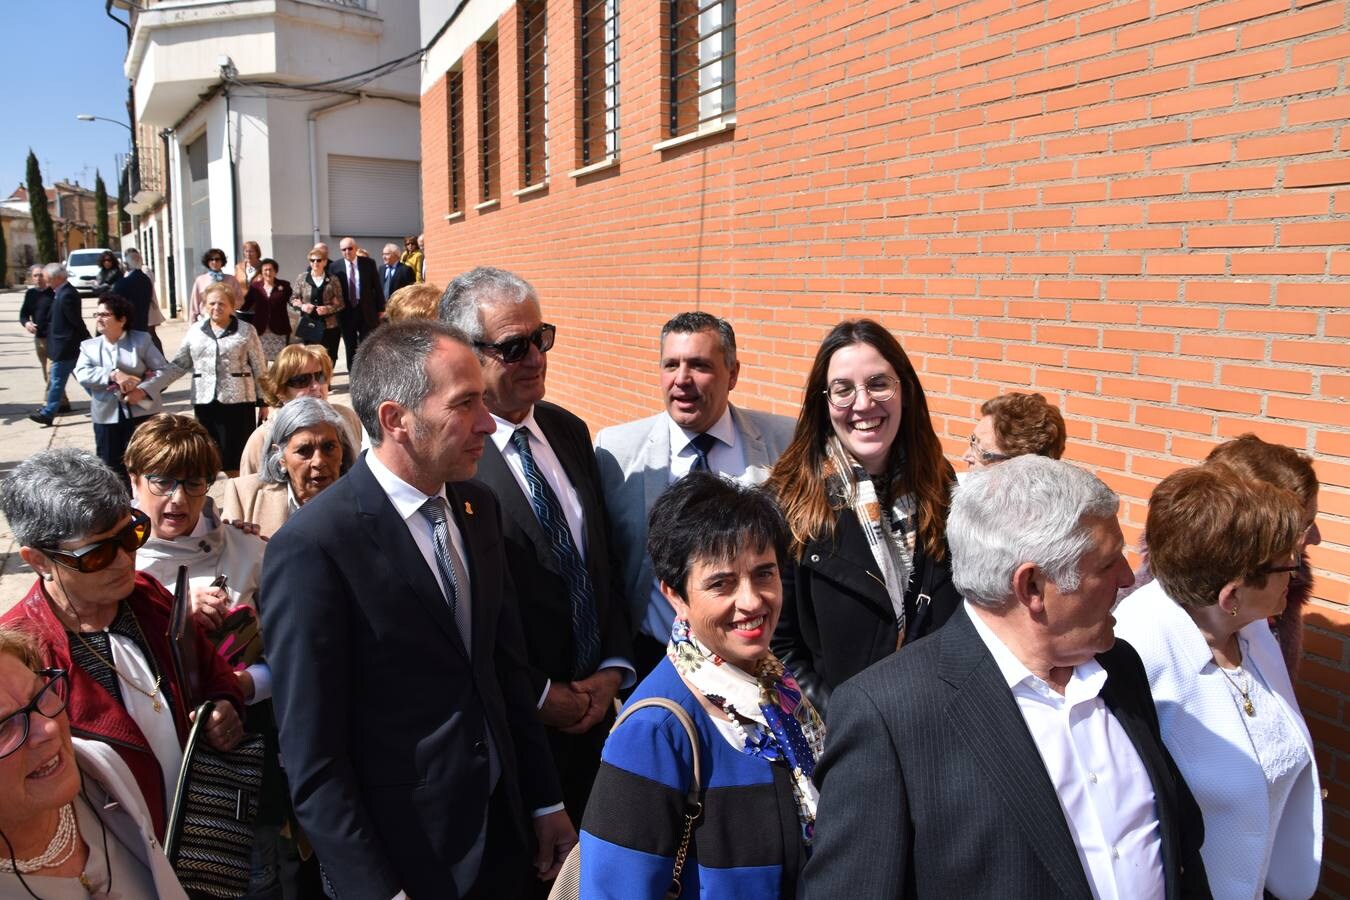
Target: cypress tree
{"points": [[42, 217], [100, 211], [4, 259], [123, 219]]}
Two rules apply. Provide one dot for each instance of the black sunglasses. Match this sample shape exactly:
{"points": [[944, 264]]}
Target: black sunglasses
{"points": [[49, 701], [305, 379], [513, 350], [100, 554]]}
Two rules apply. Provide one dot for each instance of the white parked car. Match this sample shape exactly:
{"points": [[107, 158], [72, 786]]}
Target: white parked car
{"points": [[82, 268]]}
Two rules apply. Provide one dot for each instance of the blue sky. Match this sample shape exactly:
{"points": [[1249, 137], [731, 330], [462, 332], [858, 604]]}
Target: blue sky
{"points": [[60, 58]]}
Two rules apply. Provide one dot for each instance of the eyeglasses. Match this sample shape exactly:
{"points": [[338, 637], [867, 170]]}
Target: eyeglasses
{"points": [[513, 350], [99, 555], [104, 315], [879, 387], [305, 379], [164, 486], [50, 701], [986, 456]]}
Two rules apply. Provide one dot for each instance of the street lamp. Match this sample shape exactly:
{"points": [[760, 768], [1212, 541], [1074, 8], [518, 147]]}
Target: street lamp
{"points": [[85, 117]]}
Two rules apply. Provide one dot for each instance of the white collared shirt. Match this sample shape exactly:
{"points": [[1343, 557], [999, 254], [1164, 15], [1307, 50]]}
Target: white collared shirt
{"points": [[549, 467], [727, 456], [1102, 785]]}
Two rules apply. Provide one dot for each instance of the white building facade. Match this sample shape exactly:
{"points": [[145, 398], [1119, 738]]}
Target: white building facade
{"points": [[286, 123]]}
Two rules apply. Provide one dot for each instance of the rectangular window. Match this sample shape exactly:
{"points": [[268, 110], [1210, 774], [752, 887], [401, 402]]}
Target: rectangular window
{"points": [[533, 91], [489, 120], [702, 63], [455, 102], [599, 80]]}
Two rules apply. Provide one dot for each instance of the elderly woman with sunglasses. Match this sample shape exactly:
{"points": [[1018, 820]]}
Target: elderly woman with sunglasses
{"points": [[318, 293], [106, 624], [214, 261], [1224, 549], [301, 370], [308, 448], [864, 488], [73, 823]]}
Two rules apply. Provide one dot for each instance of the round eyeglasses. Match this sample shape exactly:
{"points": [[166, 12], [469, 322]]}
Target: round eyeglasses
{"points": [[879, 387], [164, 486]]}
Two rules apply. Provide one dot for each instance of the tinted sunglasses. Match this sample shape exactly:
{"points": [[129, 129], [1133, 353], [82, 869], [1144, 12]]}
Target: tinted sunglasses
{"points": [[513, 350], [305, 379], [100, 554]]}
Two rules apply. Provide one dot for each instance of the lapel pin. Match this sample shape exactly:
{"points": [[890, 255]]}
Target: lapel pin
{"points": [[468, 508]]}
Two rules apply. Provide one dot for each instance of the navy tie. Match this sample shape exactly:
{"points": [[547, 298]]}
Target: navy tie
{"points": [[434, 512], [702, 444], [585, 627]]}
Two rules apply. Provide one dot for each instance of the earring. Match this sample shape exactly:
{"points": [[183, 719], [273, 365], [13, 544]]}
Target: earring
{"points": [[1234, 610], [46, 576]]}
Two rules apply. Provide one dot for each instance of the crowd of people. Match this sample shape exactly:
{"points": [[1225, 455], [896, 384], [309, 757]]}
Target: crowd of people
{"points": [[711, 652]]}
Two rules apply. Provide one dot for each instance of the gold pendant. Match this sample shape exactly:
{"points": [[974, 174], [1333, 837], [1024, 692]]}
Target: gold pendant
{"points": [[1247, 706], [159, 707]]}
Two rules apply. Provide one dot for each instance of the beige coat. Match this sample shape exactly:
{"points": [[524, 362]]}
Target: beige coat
{"points": [[251, 460], [265, 505]]}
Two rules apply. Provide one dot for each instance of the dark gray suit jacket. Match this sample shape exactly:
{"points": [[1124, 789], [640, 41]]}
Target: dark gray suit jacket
{"points": [[931, 784]]}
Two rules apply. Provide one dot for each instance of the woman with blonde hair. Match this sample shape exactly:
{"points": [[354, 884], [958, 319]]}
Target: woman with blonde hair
{"points": [[316, 294], [301, 370], [416, 301]]}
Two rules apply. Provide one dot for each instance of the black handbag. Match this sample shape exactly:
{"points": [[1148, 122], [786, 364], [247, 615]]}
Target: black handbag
{"points": [[310, 328]]}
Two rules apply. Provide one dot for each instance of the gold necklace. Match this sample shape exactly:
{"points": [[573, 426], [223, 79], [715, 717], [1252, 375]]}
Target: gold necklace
{"points": [[1247, 706], [153, 693]]}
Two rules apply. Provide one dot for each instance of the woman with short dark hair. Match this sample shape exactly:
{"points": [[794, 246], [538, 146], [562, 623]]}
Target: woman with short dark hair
{"points": [[109, 270], [267, 308], [214, 261]]}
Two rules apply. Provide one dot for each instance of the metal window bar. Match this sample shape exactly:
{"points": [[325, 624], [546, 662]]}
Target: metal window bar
{"points": [[599, 80], [456, 104], [702, 60], [489, 151], [534, 92]]}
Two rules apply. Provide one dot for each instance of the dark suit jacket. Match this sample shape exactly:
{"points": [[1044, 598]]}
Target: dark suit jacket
{"points": [[37, 308], [66, 329], [372, 294], [402, 277], [931, 784], [837, 618], [383, 716], [136, 287]]}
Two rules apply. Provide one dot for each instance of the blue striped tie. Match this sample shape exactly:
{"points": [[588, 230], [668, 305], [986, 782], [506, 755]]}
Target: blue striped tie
{"points": [[434, 512], [585, 627], [702, 444]]}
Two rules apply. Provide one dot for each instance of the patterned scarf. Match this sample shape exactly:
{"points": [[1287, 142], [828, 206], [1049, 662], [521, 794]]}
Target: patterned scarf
{"points": [[891, 533], [215, 276], [788, 732]]}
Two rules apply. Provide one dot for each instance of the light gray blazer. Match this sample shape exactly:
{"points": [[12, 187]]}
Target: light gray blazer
{"points": [[135, 355], [634, 461]]}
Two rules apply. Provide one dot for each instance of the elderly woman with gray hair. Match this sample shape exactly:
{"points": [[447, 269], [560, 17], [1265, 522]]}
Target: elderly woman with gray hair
{"points": [[308, 448]]}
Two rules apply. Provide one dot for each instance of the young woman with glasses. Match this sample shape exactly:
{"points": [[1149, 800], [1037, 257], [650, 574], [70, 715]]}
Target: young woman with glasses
{"points": [[106, 624], [864, 488]]}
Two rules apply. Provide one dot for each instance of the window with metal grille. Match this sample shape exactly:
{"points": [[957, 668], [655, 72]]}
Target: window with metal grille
{"points": [[455, 102], [702, 63], [489, 122], [598, 78], [533, 20]]}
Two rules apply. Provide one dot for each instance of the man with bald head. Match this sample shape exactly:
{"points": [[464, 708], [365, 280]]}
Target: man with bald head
{"points": [[361, 294]]}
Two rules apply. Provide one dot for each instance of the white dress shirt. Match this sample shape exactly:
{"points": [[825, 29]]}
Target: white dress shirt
{"points": [[727, 456], [1101, 782]]}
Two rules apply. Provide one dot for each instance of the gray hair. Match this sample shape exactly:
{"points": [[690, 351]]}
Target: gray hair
{"points": [[392, 246], [694, 322], [55, 270], [1030, 509], [391, 364], [132, 257], [36, 268], [297, 415], [62, 495], [464, 299]]}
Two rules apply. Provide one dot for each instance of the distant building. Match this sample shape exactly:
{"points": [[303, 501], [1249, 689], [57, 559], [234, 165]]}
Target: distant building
{"points": [[249, 127], [73, 217]]}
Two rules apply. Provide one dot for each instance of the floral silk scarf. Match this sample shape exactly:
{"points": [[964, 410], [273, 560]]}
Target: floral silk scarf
{"points": [[788, 732]]}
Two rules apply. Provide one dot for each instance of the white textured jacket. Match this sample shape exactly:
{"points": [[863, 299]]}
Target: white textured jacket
{"points": [[224, 369], [1204, 731]]}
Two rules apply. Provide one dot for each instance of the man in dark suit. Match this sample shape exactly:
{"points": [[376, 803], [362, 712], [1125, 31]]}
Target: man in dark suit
{"points": [[1015, 752], [394, 274], [402, 694], [361, 294], [65, 331], [35, 315], [137, 288], [540, 466]]}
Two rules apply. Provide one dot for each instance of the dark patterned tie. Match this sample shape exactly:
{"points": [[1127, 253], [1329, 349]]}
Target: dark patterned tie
{"points": [[351, 285], [585, 627], [702, 444], [434, 512]]}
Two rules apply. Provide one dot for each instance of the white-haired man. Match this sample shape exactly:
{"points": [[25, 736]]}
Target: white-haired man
{"points": [[1015, 752], [65, 332], [137, 287], [394, 274], [35, 315]]}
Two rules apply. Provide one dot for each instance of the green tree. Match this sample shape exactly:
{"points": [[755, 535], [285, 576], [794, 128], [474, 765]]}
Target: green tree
{"points": [[100, 211], [4, 258], [42, 217], [123, 219]]}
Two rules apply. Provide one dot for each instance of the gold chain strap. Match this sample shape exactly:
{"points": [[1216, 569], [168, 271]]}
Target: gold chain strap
{"points": [[690, 818]]}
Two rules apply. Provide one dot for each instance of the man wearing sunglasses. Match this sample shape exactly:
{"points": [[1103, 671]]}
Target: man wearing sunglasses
{"points": [[700, 429], [361, 294], [539, 464]]}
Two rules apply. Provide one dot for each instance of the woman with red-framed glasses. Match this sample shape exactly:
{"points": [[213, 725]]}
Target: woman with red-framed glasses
{"points": [[106, 624]]}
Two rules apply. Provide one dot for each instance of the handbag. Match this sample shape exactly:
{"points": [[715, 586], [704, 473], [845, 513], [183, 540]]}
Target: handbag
{"points": [[567, 886], [310, 328], [209, 838]]}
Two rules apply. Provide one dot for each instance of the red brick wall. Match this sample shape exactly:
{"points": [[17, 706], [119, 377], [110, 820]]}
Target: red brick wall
{"points": [[1140, 209]]}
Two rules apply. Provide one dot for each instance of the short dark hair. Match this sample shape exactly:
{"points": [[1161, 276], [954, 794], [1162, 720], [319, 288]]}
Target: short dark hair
{"points": [[705, 516], [694, 322], [118, 305], [269, 261], [391, 364], [210, 254]]}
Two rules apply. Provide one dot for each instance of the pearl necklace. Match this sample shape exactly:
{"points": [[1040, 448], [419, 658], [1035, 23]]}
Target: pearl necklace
{"points": [[59, 850]]}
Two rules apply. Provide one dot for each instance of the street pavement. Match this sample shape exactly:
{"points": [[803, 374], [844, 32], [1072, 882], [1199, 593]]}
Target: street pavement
{"points": [[22, 391]]}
